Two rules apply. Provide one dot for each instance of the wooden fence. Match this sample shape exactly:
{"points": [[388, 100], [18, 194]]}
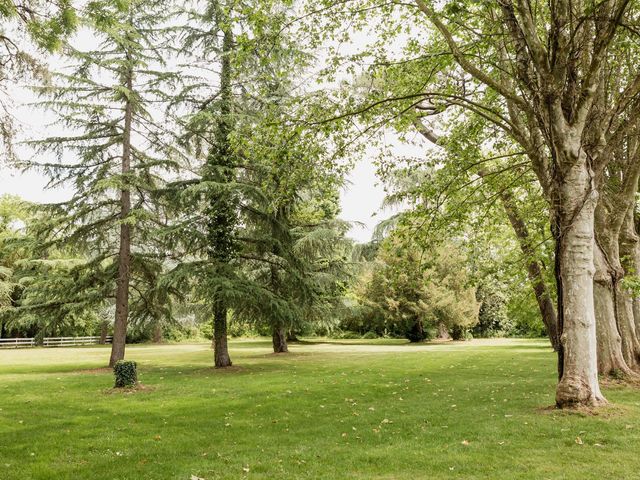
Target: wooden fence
{"points": [[50, 342]]}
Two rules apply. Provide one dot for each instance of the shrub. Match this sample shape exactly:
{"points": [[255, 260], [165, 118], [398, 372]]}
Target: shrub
{"points": [[370, 335], [493, 319], [346, 335], [459, 332], [126, 373], [415, 332]]}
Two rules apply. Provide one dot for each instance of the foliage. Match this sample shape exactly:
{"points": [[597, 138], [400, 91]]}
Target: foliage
{"points": [[113, 142], [417, 291], [493, 318], [126, 373], [25, 24]]}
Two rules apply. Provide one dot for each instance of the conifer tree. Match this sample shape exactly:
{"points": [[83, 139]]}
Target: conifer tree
{"points": [[211, 205], [114, 149]]}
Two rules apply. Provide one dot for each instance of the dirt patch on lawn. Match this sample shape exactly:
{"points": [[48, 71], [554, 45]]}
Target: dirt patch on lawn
{"points": [[605, 411], [139, 388]]}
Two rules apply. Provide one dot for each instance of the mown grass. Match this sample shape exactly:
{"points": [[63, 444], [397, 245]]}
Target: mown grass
{"points": [[348, 410]]}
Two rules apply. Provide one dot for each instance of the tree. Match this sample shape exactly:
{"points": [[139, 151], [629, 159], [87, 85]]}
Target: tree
{"points": [[240, 200], [418, 291], [538, 72], [114, 152]]}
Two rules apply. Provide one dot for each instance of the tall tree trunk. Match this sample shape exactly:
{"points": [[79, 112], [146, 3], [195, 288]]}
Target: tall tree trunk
{"points": [[611, 360], [534, 268], [104, 330], [222, 213], [157, 332], [630, 253], [575, 216], [220, 347], [629, 244], [608, 229], [279, 340], [124, 255]]}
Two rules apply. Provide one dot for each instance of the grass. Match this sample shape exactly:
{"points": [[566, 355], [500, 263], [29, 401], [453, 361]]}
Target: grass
{"points": [[372, 410]]}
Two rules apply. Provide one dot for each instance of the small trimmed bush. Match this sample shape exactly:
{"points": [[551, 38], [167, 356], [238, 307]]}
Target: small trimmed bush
{"points": [[126, 373]]}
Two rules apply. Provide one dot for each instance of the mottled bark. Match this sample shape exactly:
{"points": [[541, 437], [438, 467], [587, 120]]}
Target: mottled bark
{"points": [[608, 229], [629, 306], [611, 360], [578, 384], [279, 338], [630, 253], [124, 254]]}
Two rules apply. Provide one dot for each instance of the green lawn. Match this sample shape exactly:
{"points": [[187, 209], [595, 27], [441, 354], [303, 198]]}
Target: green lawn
{"points": [[356, 410]]}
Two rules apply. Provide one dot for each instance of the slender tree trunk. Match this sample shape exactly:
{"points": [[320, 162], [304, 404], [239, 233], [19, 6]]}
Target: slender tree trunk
{"points": [[627, 328], [124, 255], [222, 213], [575, 206], [629, 245], [157, 332], [534, 269], [104, 330], [279, 340], [220, 347]]}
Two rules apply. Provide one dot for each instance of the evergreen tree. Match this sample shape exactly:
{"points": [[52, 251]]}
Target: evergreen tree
{"points": [[220, 202], [114, 150]]}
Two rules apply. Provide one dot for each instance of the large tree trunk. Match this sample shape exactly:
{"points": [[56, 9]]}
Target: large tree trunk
{"points": [[630, 253], [611, 360], [609, 271], [628, 306], [279, 340], [578, 384], [124, 255], [220, 348]]}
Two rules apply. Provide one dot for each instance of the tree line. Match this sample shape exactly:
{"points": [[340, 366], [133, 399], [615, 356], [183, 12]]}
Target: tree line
{"points": [[206, 163]]}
